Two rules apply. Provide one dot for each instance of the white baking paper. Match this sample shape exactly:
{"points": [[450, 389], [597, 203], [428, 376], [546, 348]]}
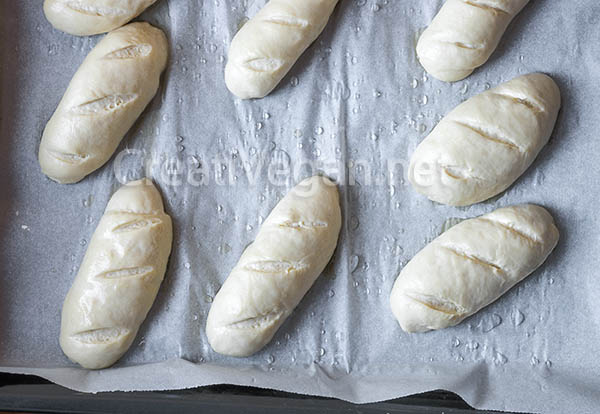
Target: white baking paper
{"points": [[355, 106]]}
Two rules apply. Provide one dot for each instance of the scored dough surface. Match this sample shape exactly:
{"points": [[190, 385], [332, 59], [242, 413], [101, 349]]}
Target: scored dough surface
{"points": [[90, 17], [471, 265], [463, 35], [109, 91], [268, 45], [119, 277], [482, 146], [293, 246]]}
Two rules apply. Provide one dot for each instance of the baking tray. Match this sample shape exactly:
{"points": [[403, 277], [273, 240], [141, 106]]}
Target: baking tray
{"points": [[574, 143], [32, 394]]}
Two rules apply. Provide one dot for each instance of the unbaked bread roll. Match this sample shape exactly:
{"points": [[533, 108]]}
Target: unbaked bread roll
{"points": [[291, 250], [119, 277], [470, 266], [90, 17], [269, 44], [463, 35], [481, 147], [114, 84]]}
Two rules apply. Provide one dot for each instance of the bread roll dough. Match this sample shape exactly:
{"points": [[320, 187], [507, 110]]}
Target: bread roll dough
{"points": [[291, 250], [119, 277], [109, 91], [470, 266], [89, 17], [481, 147], [269, 44], [463, 35]]}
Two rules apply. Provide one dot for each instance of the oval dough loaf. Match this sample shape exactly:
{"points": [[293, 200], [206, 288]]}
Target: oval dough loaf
{"points": [[470, 266], [481, 147], [114, 84], [463, 35], [269, 44], [90, 17], [291, 250], [119, 277]]}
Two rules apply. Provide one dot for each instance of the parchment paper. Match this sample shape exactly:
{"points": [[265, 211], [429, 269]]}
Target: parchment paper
{"points": [[356, 102]]}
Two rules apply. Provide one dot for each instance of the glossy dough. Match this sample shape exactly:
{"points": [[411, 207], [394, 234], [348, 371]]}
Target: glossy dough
{"points": [[89, 17], [269, 44], [119, 277], [463, 35], [470, 266], [481, 147], [291, 250], [109, 91]]}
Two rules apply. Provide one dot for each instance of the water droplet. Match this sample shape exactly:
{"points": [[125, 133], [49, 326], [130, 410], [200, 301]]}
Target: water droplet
{"points": [[377, 94], [356, 284], [464, 88], [517, 317], [294, 81], [321, 352], [83, 242], [270, 359], [298, 133], [195, 317], [499, 359], [319, 130], [224, 248], [266, 115], [414, 83], [374, 136], [534, 360], [490, 322], [551, 281], [472, 345], [187, 265], [331, 293], [424, 100], [455, 342], [219, 208], [354, 260], [548, 364], [322, 331], [179, 139], [208, 299], [259, 126]]}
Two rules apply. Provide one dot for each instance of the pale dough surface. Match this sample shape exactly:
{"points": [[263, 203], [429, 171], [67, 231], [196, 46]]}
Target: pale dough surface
{"points": [[109, 91], [471, 265], [119, 277], [293, 246], [90, 17], [268, 45], [463, 35], [482, 146]]}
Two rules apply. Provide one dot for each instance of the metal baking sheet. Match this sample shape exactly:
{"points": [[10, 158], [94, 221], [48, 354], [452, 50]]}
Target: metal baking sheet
{"points": [[355, 106]]}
